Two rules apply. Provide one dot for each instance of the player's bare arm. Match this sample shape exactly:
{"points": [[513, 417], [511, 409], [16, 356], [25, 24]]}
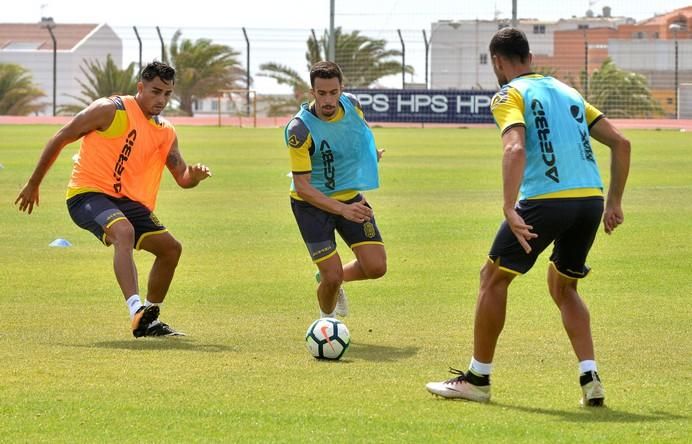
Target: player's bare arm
{"points": [[607, 134], [97, 116], [355, 212], [513, 162], [186, 176]]}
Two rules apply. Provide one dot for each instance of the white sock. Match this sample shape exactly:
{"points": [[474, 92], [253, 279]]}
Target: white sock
{"points": [[148, 303], [587, 366], [133, 304], [480, 368], [327, 315]]}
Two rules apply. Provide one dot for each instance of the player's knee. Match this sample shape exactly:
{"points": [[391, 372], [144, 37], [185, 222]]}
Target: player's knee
{"points": [[121, 233], [332, 278], [174, 250], [376, 271], [560, 286], [177, 249], [486, 272]]}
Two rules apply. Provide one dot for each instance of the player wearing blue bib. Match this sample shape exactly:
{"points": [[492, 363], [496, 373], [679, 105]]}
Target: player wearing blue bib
{"points": [[334, 158], [548, 162]]}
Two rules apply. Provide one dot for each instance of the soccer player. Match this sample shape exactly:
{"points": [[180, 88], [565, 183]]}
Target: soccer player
{"points": [[548, 161], [334, 158], [114, 184]]}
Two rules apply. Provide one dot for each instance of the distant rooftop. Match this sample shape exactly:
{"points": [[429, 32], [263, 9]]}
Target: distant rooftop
{"points": [[663, 19], [34, 36]]}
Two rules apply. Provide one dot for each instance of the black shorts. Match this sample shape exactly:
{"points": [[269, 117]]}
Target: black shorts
{"points": [[96, 211], [571, 223], [317, 228]]}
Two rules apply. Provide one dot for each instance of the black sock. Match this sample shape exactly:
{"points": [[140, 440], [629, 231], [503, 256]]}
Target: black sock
{"points": [[479, 380], [588, 377]]}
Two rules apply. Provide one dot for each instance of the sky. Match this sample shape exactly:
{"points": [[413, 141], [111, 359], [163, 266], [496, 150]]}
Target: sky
{"points": [[278, 29], [355, 14]]}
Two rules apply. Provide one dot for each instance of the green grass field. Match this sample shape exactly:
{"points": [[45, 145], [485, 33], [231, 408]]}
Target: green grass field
{"points": [[70, 370]]}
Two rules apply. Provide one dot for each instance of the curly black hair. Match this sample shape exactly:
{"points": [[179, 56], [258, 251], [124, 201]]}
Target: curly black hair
{"points": [[158, 69]]}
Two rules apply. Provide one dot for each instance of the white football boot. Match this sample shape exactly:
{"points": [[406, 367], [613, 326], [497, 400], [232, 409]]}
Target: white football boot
{"points": [[459, 388]]}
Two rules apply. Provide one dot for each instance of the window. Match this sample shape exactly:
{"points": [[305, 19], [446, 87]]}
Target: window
{"points": [[656, 35], [583, 26], [214, 105], [638, 35], [484, 59], [539, 29]]}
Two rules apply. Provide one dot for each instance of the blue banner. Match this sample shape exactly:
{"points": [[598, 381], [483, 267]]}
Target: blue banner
{"points": [[425, 106]]}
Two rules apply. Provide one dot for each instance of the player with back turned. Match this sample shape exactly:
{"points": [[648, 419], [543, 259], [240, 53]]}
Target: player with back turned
{"points": [[548, 161]]}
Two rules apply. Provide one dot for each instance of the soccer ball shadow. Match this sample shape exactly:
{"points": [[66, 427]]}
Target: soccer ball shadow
{"points": [[380, 353]]}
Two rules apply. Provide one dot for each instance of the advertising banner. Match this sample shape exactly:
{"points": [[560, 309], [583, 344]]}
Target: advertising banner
{"points": [[425, 106]]}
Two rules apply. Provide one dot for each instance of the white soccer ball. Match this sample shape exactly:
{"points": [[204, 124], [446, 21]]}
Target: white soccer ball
{"points": [[327, 338]]}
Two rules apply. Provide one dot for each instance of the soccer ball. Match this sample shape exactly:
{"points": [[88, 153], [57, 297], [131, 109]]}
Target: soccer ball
{"points": [[327, 338]]}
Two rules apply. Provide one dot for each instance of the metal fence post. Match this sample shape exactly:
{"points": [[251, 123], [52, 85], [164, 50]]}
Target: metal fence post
{"points": [[403, 60], [427, 52], [247, 74], [163, 46], [48, 23], [139, 40]]}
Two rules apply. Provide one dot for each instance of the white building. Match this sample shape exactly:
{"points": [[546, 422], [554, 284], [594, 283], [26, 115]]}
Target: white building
{"points": [[30, 45], [459, 57]]}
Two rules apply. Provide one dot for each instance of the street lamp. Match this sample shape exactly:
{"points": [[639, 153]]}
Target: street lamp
{"points": [[674, 28], [48, 23]]}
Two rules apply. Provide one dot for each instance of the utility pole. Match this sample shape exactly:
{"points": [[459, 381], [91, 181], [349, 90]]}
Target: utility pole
{"points": [[514, 13], [331, 56]]}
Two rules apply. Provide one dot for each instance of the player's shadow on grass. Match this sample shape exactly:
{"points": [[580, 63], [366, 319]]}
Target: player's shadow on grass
{"points": [[379, 353], [597, 414], [163, 344]]}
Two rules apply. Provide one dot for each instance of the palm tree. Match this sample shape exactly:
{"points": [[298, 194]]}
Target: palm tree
{"points": [[286, 76], [363, 62], [621, 94], [203, 69], [18, 92], [102, 81]]}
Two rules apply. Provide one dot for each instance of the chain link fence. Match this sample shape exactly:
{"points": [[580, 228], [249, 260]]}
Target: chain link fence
{"points": [[627, 72]]}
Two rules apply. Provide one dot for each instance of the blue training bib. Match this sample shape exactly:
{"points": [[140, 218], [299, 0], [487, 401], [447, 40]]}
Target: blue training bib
{"points": [[345, 156], [558, 148]]}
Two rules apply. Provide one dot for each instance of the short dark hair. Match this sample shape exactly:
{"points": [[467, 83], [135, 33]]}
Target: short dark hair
{"points": [[325, 70], [158, 69], [510, 43]]}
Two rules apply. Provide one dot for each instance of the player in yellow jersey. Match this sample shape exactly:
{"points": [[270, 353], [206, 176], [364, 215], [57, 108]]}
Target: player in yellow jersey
{"points": [[548, 162], [114, 184], [334, 158]]}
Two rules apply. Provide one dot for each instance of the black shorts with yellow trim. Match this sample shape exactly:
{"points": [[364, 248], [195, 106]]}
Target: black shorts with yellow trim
{"points": [[95, 212], [318, 226], [570, 223]]}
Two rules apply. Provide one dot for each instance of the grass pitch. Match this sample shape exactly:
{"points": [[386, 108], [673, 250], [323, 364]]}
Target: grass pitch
{"points": [[244, 292]]}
